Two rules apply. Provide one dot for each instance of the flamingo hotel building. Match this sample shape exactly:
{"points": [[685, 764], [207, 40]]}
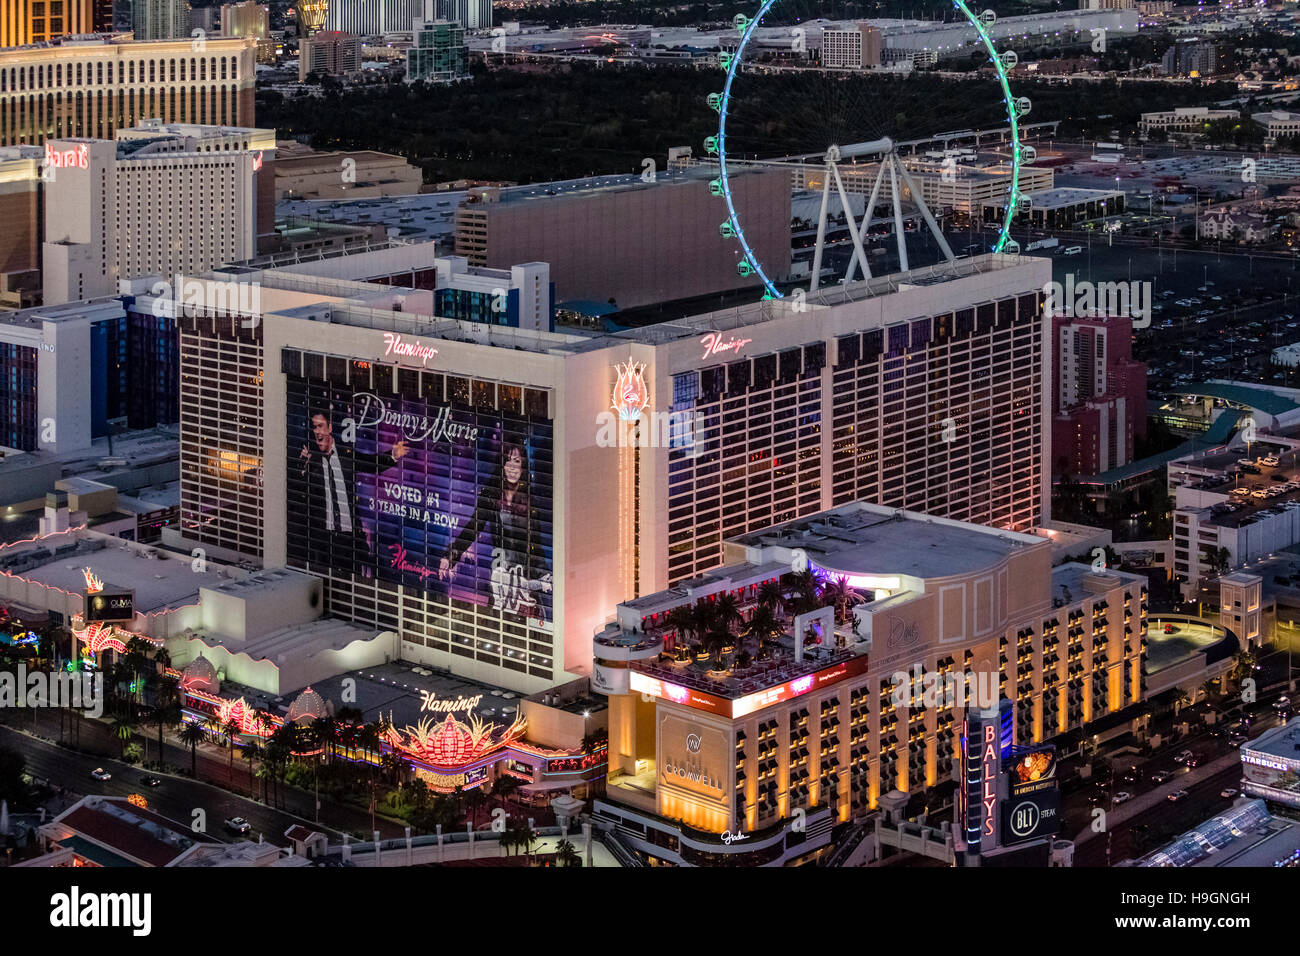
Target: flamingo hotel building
{"points": [[752, 761], [630, 458]]}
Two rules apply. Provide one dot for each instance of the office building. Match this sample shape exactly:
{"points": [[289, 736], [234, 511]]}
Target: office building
{"points": [[38, 21], [625, 242], [919, 624], [329, 53], [1278, 124], [73, 369], [1184, 119], [21, 201], [929, 393], [248, 19], [1099, 394], [521, 297], [1196, 58], [92, 86], [858, 48], [179, 198], [302, 173], [368, 18], [160, 19], [438, 53], [471, 14]]}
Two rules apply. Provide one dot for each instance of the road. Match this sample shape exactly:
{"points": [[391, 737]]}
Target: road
{"points": [[179, 796]]}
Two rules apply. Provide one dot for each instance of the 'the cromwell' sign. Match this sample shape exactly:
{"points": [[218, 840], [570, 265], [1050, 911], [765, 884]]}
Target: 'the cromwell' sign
{"points": [[691, 756]]}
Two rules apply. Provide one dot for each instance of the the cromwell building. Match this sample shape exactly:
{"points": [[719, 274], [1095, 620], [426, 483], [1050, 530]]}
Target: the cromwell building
{"points": [[748, 748], [465, 483], [89, 86]]}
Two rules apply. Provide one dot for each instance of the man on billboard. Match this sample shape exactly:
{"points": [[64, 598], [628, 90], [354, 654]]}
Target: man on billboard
{"points": [[331, 500], [519, 569]]}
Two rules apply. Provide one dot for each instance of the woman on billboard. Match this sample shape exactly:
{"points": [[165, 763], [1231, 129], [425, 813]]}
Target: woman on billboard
{"points": [[518, 570]]}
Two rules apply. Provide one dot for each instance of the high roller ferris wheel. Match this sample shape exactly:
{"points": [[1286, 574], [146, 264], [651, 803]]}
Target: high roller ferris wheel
{"points": [[824, 136]]}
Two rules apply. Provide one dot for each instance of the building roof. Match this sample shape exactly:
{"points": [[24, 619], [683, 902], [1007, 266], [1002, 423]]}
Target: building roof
{"points": [[865, 539], [138, 836]]}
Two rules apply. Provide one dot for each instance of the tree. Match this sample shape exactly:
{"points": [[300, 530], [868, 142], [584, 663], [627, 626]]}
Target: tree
{"points": [[503, 787], [166, 713], [566, 854], [475, 800], [252, 750], [193, 734], [232, 730], [123, 728]]}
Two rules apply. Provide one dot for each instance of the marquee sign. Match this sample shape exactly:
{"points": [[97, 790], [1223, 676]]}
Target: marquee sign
{"points": [[640, 683]]}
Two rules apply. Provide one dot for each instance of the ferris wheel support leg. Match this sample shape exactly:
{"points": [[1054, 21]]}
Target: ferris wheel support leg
{"points": [[925, 211], [821, 232], [899, 238], [867, 216], [852, 222]]}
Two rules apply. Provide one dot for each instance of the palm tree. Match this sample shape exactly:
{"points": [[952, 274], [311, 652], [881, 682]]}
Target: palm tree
{"points": [[702, 616], [252, 750], [726, 610], [326, 730], [771, 595], [193, 734], [566, 854], [682, 620], [475, 800], [763, 626], [166, 714], [805, 586], [503, 787], [123, 729], [232, 730]]}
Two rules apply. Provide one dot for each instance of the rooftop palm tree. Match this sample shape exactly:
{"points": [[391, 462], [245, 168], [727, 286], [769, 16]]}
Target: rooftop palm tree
{"points": [[193, 734], [682, 620], [763, 626], [726, 610], [771, 595], [703, 616]]}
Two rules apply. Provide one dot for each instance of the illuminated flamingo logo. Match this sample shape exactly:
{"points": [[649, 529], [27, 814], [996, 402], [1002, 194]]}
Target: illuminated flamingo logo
{"points": [[631, 395], [94, 584]]}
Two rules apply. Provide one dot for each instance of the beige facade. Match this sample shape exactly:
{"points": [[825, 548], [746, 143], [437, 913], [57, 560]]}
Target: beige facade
{"points": [[954, 616], [633, 243], [38, 21], [90, 88], [161, 199], [359, 175]]}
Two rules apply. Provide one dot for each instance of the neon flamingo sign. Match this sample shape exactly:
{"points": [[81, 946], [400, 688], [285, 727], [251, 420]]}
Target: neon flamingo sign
{"points": [[631, 395]]}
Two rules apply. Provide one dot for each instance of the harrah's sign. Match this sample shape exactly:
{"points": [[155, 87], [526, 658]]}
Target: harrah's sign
{"points": [[78, 156]]}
